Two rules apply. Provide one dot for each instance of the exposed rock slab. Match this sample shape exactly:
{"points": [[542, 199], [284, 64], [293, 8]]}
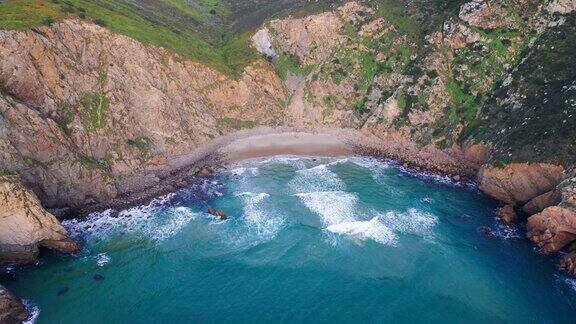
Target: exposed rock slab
{"points": [[11, 308], [24, 225], [552, 229], [507, 214], [519, 182]]}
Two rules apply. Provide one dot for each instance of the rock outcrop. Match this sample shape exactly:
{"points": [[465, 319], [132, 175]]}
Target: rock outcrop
{"points": [[555, 227], [507, 214], [552, 229], [519, 182], [12, 310], [87, 115], [568, 263], [25, 225]]}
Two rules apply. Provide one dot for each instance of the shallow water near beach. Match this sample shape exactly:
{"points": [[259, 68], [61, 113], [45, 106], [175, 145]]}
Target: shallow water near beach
{"points": [[307, 240]]}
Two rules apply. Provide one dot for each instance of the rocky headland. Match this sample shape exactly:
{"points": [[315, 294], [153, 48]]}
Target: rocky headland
{"points": [[91, 119]]}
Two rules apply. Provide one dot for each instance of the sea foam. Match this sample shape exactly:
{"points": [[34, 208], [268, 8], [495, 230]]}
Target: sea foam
{"points": [[373, 229]]}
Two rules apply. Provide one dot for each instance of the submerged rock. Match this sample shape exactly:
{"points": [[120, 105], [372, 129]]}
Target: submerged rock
{"points": [[568, 263], [99, 277], [24, 225], [11, 308], [519, 182], [218, 213], [507, 214]]}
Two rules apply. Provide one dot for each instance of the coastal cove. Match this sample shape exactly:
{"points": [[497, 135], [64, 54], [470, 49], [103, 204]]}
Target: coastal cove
{"points": [[350, 232]]}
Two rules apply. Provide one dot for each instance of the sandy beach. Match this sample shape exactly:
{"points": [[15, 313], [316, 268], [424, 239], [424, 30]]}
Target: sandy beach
{"points": [[289, 143]]}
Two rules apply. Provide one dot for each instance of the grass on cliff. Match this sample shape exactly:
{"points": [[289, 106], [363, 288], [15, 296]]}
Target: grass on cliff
{"points": [[176, 25]]}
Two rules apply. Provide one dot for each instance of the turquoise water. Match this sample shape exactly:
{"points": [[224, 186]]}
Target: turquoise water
{"points": [[308, 240]]}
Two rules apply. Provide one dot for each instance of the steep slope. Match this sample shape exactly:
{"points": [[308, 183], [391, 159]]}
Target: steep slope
{"points": [[87, 115]]}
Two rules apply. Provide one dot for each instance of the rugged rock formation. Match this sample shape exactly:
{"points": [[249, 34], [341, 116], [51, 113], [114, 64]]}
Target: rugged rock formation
{"points": [[519, 182], [12, 310], [553, 228], [568, 263], [87, 115], [25, 225], [507, 214], [538, 204]]}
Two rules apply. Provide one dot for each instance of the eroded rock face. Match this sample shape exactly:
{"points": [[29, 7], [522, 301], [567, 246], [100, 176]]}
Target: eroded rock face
{"points": [[519, 182], [484, 14], [87, 115], [11, 308], [507, 214], [24, 225], [542, 202], [568, 263], [552, 229]]}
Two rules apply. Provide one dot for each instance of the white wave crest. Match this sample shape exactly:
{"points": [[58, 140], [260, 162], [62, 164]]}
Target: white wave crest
{"points": [[102, 259], [33, 310], [373, 229], [333, 207], [151, 220], [412, 222], [318, 178], [258, 218]]}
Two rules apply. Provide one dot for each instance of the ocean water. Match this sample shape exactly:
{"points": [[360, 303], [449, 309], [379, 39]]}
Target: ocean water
{"points": [[326, 240]]}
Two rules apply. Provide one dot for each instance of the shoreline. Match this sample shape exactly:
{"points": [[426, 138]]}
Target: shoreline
{"points": [[267, 141]]}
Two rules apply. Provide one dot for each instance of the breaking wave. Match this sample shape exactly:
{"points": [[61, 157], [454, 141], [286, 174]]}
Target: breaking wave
{"points": [[157, 220]]}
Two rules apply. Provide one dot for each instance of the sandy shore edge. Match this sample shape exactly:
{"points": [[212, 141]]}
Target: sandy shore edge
{"points": [[267, 141]]}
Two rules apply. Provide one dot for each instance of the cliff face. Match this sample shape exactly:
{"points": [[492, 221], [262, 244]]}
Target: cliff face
{"points": [[25, 225], [87, 115]]}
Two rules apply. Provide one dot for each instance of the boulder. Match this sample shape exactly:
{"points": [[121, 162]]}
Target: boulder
{"points": [[568, 263], [538, 204], [507, 214], [11, 308], [24, 225], [552, 229], [519, 182], [218, 213]]}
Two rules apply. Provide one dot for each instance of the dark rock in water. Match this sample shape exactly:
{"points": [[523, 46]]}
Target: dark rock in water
{"points": [[486, 231], [507, 214], [98, 277], [11, 308], [218, 213], [63, 291], [568, 264]]}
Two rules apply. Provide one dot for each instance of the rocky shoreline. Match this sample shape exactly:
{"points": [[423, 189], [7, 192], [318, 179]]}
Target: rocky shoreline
{"points": [[539, 190]]}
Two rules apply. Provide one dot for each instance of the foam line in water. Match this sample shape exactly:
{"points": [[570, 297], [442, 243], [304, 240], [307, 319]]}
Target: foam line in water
{"points": [[412, 222], [318, 178], [155, 220], [265, 224], [373, 229], [33, 310], [333, 207]]}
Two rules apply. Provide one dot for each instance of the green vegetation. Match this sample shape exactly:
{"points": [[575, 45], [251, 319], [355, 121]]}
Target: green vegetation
{"points": [[290, 63], [144, 144], [177, 25], [23, 14], [235, 123], [95, 106], [91, 163]]}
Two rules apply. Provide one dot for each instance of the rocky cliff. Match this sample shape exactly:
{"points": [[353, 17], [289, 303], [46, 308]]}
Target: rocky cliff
{"points": [[88, 115], [25, 225]]}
